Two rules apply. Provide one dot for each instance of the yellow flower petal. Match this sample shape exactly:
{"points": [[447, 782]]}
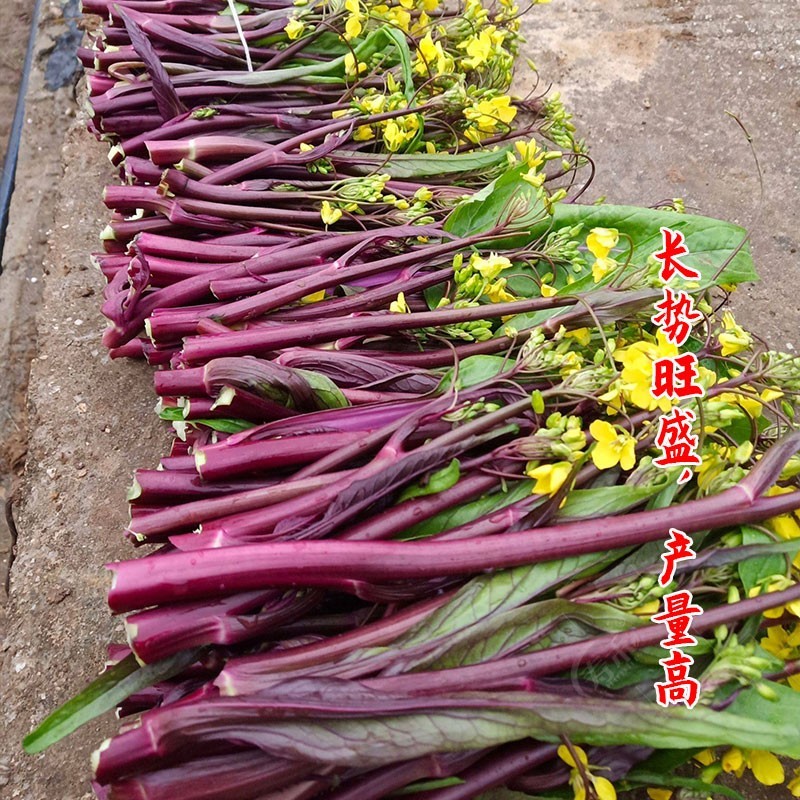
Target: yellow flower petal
{"points": [[732, 760], [549, 477], [705, 757], [548, 290], [659, 794], [565, 754], [604, 456], [603, 788], [627, 457], [603, 431], [313, 298], [601, 241], [766, 768]]}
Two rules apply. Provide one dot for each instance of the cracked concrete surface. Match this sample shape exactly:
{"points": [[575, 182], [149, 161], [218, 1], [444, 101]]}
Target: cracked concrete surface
{"points": [[649, 83]]}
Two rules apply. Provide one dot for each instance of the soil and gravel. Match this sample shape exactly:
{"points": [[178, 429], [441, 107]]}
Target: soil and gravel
{"points": [[649, 81]]}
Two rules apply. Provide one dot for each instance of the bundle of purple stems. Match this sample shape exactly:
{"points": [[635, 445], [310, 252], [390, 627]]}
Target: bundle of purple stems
{"points": [[354, 582]]}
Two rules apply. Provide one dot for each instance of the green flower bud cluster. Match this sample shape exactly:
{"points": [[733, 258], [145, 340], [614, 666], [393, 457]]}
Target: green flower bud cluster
{"points": [[781, 368], [638, 592], [734, 661], [471, 411], [562, 438], [361, 190], [558, 124], [476, 331], [561, 246]]}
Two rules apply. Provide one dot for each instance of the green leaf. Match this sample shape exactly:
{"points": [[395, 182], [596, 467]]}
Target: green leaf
{"points": [[322, 727], [621, 674], [785, 711], [710, 241], [401, 43], [103, 694], [424, 165], [472, 371], [516, 631], [754, 570], [505, 197], [437, 482], [453, 517], [317, 72], [241, 8], [224, 425], [606, 501], [326, 391], [499, 592]]}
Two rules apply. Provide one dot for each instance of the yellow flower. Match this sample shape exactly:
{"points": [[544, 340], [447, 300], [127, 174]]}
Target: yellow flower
{"points": [[534, 178], [659, 794], [794, 784], [734, 338], [601, 268], [637, 371], [329, 213], [363, 133], [785, 645], [487, 115], [549, 477], [395, 135], [294, 28], [489, 267], [533, 155], [601, 241], [399, 306], [353, 25], [786, 525], [705, 757], [612, 447], [581, 335], [496, 292], [350, 66], [478, 48], [431, 58], [776, 583], [603, 789], [313, 298], [765, 767], [549, 291]]}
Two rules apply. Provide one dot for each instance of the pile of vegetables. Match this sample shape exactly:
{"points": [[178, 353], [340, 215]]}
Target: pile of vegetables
{"points": [[407, 536]]}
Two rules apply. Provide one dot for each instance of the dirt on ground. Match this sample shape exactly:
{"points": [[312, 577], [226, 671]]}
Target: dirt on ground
{"points": [[649, 82]]}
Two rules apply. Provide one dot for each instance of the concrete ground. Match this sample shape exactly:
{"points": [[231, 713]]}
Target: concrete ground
{"points": [[649, 82]]}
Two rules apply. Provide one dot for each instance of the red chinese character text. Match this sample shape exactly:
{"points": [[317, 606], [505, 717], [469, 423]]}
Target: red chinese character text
{"points": [[677, 604], [679, 548], [678, 687], [674, 247], [677, 442], [677, 616], [674, 377], [677, 316]]}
